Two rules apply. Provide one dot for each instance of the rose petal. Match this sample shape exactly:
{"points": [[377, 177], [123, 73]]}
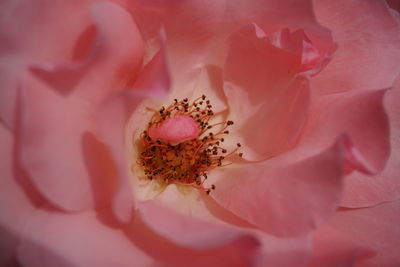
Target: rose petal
{"points": [[52, 124], [56, 239], [369, 41], [336, 249], [363, 190], [191, 232], [17, 200], [170, 254], [284, 252], [189, 26], [374, 229], [259, 75], [295, 197], [361, 115], [28, 37], [112, 118], [116, 53]]}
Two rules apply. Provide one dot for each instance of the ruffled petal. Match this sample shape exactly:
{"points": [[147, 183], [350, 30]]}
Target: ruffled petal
{"points": [[283, 197], [365, 190], [370, 235], [361, 115], [56, 239], [189, 26], [369, 46], [260, 83]]}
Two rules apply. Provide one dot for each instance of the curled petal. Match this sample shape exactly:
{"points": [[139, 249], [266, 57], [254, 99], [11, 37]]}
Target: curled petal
{"points": [[362, 190], [359, 114], [260, 83]]}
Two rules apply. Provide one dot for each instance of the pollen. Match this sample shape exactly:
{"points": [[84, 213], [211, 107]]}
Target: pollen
{"points": [[181, 145]]}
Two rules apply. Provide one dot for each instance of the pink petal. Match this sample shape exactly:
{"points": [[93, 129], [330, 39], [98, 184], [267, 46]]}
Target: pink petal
{"points": [[284, 252], [112, 117], [111, 120], [56, 239], [18, 200], [192, 232], [114, 56], [240, 252], [272, 16], [189, 26], [50, 136], [369, 40], [283, 197], [336, 249], [260, 84], [362, 190], [373, 229], [28, 37], [56, 131], [361, 115]]}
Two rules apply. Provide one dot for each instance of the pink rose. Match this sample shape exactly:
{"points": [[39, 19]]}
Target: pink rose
{"points": [[100, 166]]}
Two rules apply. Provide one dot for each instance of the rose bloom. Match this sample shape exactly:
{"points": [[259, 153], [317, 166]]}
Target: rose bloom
{"points": [[199, 133]]}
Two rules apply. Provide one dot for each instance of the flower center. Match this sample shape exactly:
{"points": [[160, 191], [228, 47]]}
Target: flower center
{"points": [[180, 147]]}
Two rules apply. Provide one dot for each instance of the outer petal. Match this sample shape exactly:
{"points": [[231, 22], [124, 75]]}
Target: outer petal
{"points": [[369, 46], [111, 60], [259, 75], [18, 200], [52, 125], [373, 229], [361, 115], [362, 190], [56, 239], [281, 197], [28, 32]]}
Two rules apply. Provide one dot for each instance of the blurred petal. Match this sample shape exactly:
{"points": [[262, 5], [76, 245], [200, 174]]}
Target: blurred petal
{"points": [[369, 46], [114, 56], [336, 249], [283, 198], [28, 32], [52, 125], [375, 230], [17, 200], [73, 240]]}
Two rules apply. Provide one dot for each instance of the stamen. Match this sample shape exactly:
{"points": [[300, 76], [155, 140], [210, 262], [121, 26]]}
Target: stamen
{"points": [[174, 149]]}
